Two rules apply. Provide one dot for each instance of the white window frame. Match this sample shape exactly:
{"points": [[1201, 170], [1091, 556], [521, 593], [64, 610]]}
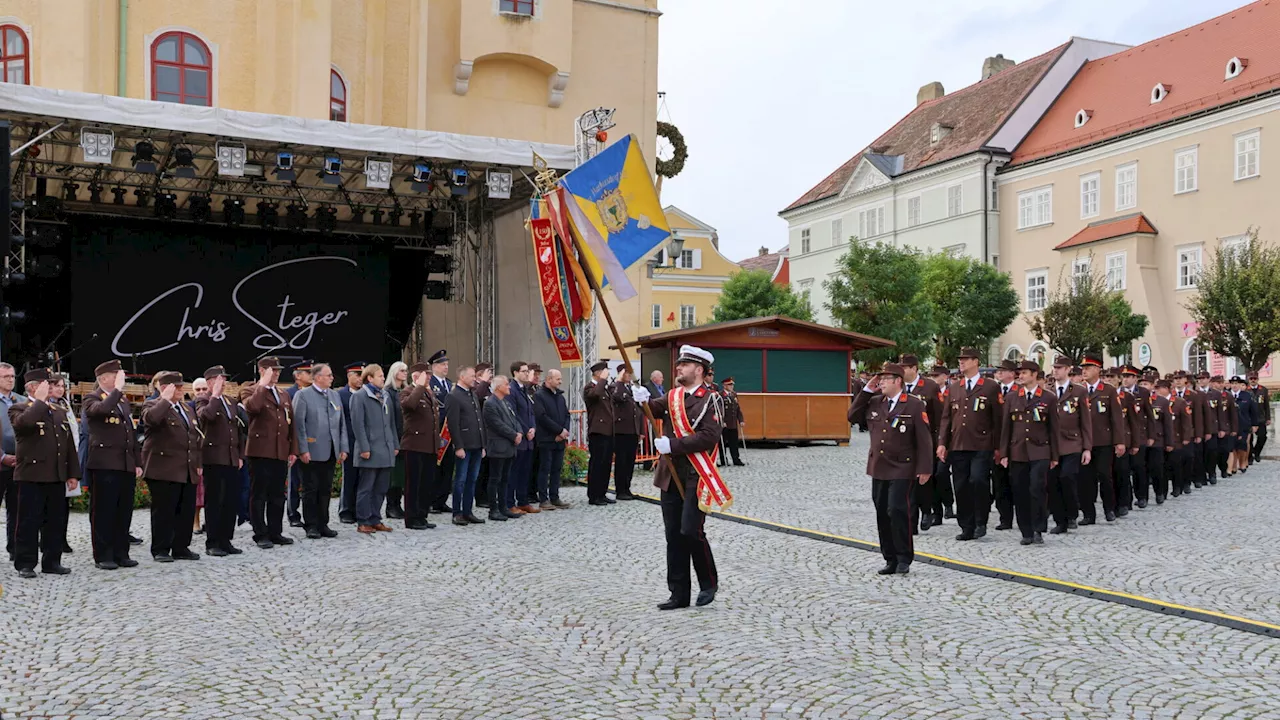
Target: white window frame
{"points": [[1243, 139], [1186, 356], [692, 313], [1041, 274], [1179, 263], [1121, 183], [1233, 243], [1192, 183], [955, 200], [955, 251], [655, 316], [681, 263], [1121, 280], [1081, 267], [837, 231], [876, 216], [913, 211], [1035, 207], [1090, 192], [805, 241], [805, 284]]}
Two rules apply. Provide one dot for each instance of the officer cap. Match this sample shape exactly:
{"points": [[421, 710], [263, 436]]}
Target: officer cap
{"points": [[969, 352], [1075, 370], [535, 367], [1202, 375], [1008, 365], [169, 378], [440, 357], [689, 353], [270, 362], [1029, 365], [215, 371], [419, 367], [728, 381], [1236, 379], [1129, 370], [1218, 378], [302, 366], [1253, 374], [1092, 359], [354, 366], [910, 361], [110, 367], [891, 369], [603, 364], [939, 370], [1062, 361], [37, 375]]}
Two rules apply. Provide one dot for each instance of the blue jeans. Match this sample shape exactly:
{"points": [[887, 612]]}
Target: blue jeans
{"points": [[517, 492], [371, 493], [465, 471], [550, 463]]}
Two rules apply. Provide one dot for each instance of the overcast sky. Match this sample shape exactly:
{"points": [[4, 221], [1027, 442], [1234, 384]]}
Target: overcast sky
{"points": [[773, 95]]}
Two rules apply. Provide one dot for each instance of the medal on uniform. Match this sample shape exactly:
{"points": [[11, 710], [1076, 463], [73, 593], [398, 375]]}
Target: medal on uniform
{"points": [[1036, 414], [41, 426], [894, 423], [902, 428], [1101, 408]]}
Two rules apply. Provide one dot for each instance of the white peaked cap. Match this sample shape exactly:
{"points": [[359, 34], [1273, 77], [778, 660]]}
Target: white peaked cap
{"points": [[689, 353]]}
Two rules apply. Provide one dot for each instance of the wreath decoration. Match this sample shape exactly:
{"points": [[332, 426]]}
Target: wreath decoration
{"points": [[680, 152]]}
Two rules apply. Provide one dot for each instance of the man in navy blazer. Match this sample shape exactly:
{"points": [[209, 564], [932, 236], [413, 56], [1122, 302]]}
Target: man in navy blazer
{"points": [[438, 496], [517, 494]]}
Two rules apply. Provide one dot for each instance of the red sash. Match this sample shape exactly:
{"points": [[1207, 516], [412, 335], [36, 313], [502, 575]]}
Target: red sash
{"points": [[711, 487]]}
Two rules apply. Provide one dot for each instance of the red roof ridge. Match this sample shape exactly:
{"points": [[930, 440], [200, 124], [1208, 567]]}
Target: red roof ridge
{"points": [[1181, 31], [1109, 229], [993, 76]]}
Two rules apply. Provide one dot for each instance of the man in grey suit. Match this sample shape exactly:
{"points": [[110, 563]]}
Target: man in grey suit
{"points": [[322, 443], [8, 448]]}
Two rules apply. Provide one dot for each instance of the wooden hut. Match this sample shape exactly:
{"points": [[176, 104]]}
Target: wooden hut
{"points": [[792, 377]]}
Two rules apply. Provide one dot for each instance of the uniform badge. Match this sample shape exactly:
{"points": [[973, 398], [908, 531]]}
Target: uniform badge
{"points": [[902, 428], [874, 415]]}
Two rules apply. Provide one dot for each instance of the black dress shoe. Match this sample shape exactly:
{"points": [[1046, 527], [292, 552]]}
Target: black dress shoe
{"points": [[281, 540], [232, 549], [1072, 525], [1142, 504], [188, 555], [326, 531], [66, 549], [672, 604], [1038, 538], [497, 516], [346, 519], [134, 540], [1004, 526], [162, 558], [442, 509], [739, 463], [609, 501], [1058, 530], [926, 521], [313, 534], [888, 569], [479, 503], [28, 573], [601, 502], [1159, 499], [980, 532], [418, 525], [903, 568], [705, 597], [511, 515], [471, 518], [1087, 521], [965, 535], [1111, 517], [264, 544], [1121, 512], [394, 512], [626, 496], [296, 522], [948, 513], [106, 565], [127, 562], [215, 552], [459, 520], [937, 518], [1025, 541]]}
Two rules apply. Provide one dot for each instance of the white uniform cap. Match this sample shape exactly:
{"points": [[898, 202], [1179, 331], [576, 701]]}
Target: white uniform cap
{"points": [[689, 353]]}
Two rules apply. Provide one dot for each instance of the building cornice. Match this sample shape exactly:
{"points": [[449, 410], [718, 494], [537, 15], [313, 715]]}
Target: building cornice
{"points": [[623, 6]]}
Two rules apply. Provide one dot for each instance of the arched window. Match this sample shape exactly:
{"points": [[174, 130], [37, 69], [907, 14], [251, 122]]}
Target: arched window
{"points": [[15, 56], [337, 97], [1039, 352], [1197, 358], [181, 70], [1013, 353]]}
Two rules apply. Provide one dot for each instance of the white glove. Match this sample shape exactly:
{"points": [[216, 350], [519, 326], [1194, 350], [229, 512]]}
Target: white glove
{"points": [[663, 445], [640, 393]]}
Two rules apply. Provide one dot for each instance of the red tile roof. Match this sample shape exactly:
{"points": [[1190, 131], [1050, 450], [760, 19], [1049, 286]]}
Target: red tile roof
{"points": [[974, 113], [1109, 229], [767, 262], [1191, 63]]}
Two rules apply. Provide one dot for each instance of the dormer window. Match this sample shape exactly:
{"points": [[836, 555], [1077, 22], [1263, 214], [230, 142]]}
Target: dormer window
{"points": [[1082, 117], [1159, 92], [1235, 66], [937, 132]]}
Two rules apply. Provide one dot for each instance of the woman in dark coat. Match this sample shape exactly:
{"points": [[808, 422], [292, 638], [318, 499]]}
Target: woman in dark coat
{"points": [[1249, 416]]}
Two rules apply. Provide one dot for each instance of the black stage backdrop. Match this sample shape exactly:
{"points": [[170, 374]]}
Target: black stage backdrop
{"points": [[167, 296]]}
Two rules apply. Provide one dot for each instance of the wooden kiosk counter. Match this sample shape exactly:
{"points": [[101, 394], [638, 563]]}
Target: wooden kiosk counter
{"points": [[792, 377]]}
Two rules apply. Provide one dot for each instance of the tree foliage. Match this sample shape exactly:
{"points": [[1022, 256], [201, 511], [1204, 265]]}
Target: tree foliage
{"points": [[1238, 302], [878, 290], [972, 304], [1083, 316], [752, 293], [1126, 327]]}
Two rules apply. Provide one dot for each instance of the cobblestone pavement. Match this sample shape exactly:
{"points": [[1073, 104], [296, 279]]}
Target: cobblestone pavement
{"points": [[553, 617], [1216, 549]]}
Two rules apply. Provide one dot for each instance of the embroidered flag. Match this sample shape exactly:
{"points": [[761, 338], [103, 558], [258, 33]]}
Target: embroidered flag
{"points": [[550, 286]]}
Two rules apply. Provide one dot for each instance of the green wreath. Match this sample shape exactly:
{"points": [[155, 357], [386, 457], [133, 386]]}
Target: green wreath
{"points": [[680, 152]]}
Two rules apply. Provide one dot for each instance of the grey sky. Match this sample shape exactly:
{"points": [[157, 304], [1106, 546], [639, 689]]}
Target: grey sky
{"points": [[773, 95]]}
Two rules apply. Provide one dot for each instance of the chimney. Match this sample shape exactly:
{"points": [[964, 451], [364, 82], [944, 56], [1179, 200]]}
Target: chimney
{"points": [[932, 91], [993, 65], [764, 251]]}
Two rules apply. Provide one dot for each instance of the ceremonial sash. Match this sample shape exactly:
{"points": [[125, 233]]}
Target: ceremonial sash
{"points": [[554, 310], [445, 439], [711, 487]]}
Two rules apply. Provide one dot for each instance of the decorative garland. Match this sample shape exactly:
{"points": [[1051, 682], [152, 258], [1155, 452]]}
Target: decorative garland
{"points": [[680, 152]]}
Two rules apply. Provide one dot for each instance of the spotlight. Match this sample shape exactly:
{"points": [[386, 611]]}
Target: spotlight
{"points": [[144, 157], [421, 176], [8, 317], [184, 165], [231, 158], [377, 215], [69, 191], [11, 277], [499, 182], [200, 208], [439, 264], [357, 214], [142, 195], [95, 192], [268, 213], [377, 173], [438, 290], [295, 216], [166, 205], [49, 208], [119, 194], [326, 218], [44, 236], [284, 167], [98, 144], [331, 174], [438, 237], [233, 211], [415, 220], [46, 267], [394, 215]]}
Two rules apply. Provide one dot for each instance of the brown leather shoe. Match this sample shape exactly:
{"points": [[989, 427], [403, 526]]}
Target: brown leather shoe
{"points": [[366, 529], [517, 511], [380, 527], [528, 509], [546, 506]]}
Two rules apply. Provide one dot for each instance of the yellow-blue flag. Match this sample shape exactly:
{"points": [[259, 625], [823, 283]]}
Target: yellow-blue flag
{"points": [[614, 208]]}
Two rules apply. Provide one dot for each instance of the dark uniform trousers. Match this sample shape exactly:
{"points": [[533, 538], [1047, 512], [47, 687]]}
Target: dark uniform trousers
{"points": [[1139, 480], [1199, 467], [267, 478], [686, 539], [971, 474], [1259, 440], [600, 446], [1221, 453], [221, 502], [40, 521], [110, 513], [943, 495], [1156, 477], [1064, 504], [1028, 482], [624, 462], [173, 511], [443, 486], [732, 441], [893, 519], [931, 497], [1181, 462], [347, 493], [295, 493], [1095, 479], [8, 493], [317, 491], [1002, 493], [419, 484], [1120, 470]]}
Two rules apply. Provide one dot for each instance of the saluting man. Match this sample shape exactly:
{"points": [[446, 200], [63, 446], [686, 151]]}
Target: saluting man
{"points": [[114, 462], [172, 458], [967, 436], [222, 462], [899, 458], [419, 441], [438, 497], [272, 447], [1184, 434], [47, 468], [628, 421], [1110, 440], [1029, 448], [913, 383], [1130, 471], [599, 434]]}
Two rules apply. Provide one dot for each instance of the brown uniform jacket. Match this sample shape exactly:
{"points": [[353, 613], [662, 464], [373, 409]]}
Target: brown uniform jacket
{"points": [[270, 425], [1262, 396], [1201, 423], [1218, 415], [1029, 430], [599, 408], [45, 451], [1136, 409], [221, 430], [930, 394], [1183, 422], [706, 435], [172, 450], [113, 436], [1108, 416], [628, 418], [421, 409], [1160, 427], [972, 420], [901, 444], [1073, 426], [733, 416]]}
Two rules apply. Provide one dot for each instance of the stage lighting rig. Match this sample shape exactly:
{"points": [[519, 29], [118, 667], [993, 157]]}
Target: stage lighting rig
{"points": [[421, 176], [98, 144], [199, 205], [326, 218], [95, 192], [233, 211], [331, 170], [166, 205], [284, 167], [439, 264], [118, 193], [268, 214], [296, 216], [377, 173], [144, 157], [184, 165], [69, 191], [438, 290], [231, 159], [142, 196]]}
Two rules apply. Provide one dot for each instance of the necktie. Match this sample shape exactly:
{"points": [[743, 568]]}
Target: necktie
{"points": [[969, 385], [1060, 389], [892, 404], [183, 413], [226, 407]]}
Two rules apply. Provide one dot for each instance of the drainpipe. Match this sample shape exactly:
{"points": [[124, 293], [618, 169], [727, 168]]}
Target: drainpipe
{"points": [[986, 218], [122, 65]]}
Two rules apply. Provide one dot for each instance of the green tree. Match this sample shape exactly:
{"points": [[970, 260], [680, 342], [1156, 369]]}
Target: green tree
{"points": [[973, 303], [1083, 316], [1237, 302], [752, 293], [878, 290], [1126, 327]]}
